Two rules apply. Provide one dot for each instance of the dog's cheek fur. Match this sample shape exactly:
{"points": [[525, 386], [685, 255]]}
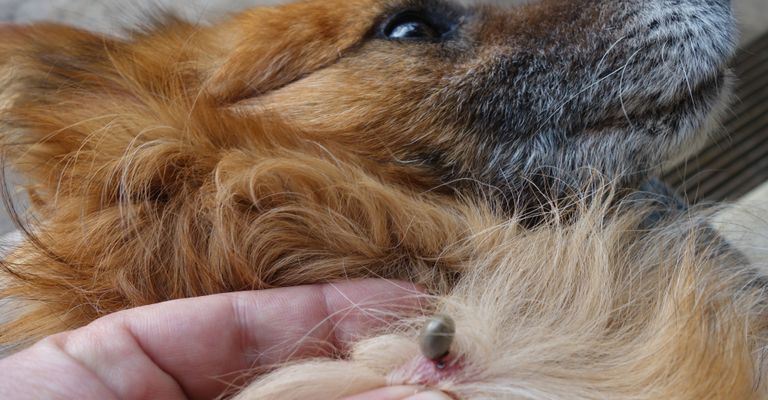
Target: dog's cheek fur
{"points": [[613, 313], [275, 46], [402, 124]]}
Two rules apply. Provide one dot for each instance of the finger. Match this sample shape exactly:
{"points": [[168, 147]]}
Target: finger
{"points": [[429, 396], [46, 372], [388, 393], [400, 393], [203, 345]]}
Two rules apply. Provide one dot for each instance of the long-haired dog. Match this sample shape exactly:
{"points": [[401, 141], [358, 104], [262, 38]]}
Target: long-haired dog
{"points": [[444, 144]]}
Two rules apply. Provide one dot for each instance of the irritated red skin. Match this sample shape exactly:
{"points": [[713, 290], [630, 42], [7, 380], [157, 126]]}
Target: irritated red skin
{"points": [[429, 373]]}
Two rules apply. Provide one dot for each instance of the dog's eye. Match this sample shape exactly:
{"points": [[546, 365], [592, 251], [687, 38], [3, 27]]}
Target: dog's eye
{"points": [[409, 26]]}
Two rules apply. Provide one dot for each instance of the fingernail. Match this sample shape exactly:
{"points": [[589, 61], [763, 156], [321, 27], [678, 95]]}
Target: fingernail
{"points": [[429, 396]]}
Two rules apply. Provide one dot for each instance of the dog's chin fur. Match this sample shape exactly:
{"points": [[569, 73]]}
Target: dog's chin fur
{"points": [[301, 144], [593, 309]]}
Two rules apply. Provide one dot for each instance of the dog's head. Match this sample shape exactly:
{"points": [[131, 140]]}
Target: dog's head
{"points": [[451, 94], [329, 139]]}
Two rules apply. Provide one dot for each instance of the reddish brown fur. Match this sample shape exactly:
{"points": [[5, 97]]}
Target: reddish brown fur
{"points": [[146, 191]]}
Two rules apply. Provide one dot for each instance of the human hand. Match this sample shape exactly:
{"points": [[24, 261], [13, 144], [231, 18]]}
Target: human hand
{"points": [[198, 348]]}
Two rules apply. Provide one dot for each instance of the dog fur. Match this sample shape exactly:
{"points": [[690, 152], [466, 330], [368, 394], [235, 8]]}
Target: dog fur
{"points": [[303, 144], [611, 312]]}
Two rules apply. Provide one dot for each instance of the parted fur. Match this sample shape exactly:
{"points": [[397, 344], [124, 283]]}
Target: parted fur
{"points": [[303, 144]]}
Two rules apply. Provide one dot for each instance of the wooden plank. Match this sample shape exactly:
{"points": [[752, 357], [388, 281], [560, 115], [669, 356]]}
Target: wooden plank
{"points": [[735, 163]]}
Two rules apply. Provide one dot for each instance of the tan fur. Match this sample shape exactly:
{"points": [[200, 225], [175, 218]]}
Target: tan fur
{"points": [[593, 310]]}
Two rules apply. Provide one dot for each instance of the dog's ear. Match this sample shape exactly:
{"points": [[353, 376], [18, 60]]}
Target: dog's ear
{"points": [[38, 61], [278, 45], [73, 103], [50, 77]]}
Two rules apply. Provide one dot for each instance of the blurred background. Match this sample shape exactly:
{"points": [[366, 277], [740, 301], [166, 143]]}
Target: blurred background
{"points": [[733, 168]]}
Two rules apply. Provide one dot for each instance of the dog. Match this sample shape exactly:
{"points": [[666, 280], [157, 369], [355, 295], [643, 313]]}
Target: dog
{"points": [[409, 139]]}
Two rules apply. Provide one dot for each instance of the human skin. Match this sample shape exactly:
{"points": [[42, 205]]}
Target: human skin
{"points": [[198, 348]]}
